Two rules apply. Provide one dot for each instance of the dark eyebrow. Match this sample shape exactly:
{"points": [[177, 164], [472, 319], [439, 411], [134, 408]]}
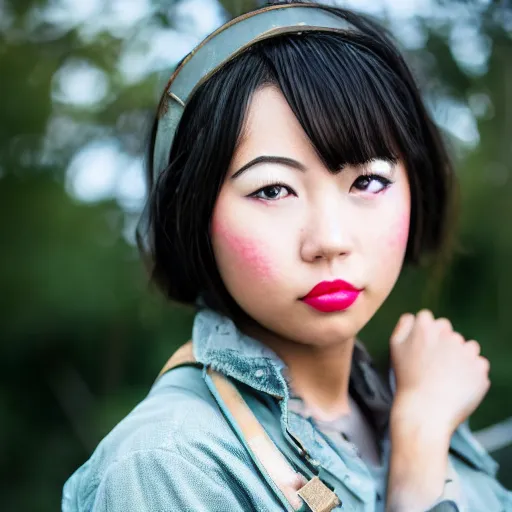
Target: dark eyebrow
{"points": [[290, 162]]}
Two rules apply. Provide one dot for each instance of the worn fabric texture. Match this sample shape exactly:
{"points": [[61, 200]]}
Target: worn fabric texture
{"points": [[177, 451]]}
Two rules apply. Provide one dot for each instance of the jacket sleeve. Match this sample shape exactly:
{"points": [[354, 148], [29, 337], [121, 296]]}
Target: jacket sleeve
{"points": [[487, 493], [162, 480], [452, 499], [445, 506]]}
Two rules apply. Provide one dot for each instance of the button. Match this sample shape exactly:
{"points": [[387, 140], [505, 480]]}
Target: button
{"points": [[259, 373]]}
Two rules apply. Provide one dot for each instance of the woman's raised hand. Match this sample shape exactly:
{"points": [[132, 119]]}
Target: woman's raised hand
{"points": [[440, 380], [440, 377]]}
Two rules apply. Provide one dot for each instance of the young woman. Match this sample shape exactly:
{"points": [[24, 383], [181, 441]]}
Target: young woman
{"points": [[293, 171]]}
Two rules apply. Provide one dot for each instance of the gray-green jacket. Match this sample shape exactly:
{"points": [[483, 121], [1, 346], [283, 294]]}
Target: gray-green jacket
{"points": [[176, 451]]}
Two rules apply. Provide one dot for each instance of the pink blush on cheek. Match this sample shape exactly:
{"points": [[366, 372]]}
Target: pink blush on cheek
{"points": [[248, 254], [395, 238], [400, 234]]}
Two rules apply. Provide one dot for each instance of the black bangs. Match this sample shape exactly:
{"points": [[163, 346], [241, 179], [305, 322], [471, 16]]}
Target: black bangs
{"points": [[346, 98]]}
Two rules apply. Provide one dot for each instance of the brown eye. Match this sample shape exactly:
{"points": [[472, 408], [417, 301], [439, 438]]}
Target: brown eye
{"points": [[272, 192], [372, 183]]}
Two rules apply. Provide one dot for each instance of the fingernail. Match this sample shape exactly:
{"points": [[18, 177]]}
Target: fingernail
{"points": [[403, 328]]}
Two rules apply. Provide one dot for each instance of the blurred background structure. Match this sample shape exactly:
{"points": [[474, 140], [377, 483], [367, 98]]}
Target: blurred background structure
{"points": [[82, 335]]}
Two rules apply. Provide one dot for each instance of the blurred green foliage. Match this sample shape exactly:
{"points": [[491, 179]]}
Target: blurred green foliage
{"points": [[83, 336]]}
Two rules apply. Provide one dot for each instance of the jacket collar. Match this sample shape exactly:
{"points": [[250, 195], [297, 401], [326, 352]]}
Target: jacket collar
{"points": [[220, 344]]}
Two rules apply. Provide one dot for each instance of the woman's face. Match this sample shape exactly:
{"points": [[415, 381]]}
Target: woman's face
{"points": [[281, 227]]}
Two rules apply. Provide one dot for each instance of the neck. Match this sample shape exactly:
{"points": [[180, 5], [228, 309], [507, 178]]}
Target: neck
{"points": [[319, 375]]}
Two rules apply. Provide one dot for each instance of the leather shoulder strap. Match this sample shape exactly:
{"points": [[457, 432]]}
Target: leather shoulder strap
{"points": [[184, 355], [262, 449]]}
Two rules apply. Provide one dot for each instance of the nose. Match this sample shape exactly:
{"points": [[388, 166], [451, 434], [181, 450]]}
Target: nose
{"points": [[329, 232]]}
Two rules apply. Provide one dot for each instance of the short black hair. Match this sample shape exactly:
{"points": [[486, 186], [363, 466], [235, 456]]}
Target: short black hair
{"points": [[355, 98]]}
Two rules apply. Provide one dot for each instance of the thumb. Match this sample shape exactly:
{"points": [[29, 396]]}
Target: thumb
{"points": [[403, 329]]}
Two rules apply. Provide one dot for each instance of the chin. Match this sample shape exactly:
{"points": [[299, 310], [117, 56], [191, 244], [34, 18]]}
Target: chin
{"points": [[320, 329], [332, 330], [307, 326]]}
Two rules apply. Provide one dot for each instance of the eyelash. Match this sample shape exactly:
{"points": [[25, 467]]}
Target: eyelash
{"points": [[271, 185], [385, 182]]}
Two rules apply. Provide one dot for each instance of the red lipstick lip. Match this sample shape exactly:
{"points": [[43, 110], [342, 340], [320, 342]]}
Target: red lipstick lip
{"points": [[329, 287], [332, 296]]}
